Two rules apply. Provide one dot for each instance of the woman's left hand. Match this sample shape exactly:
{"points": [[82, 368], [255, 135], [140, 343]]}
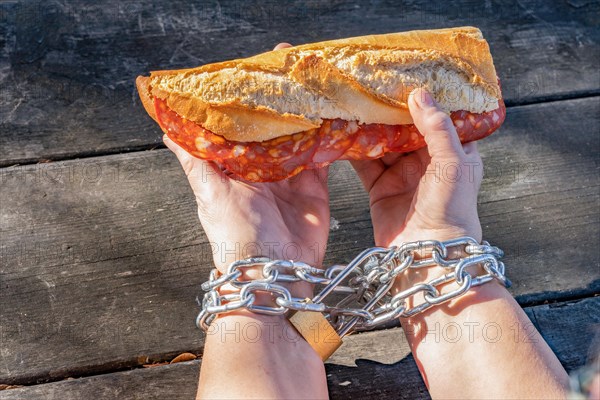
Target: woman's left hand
{"points": [[288, 219]]}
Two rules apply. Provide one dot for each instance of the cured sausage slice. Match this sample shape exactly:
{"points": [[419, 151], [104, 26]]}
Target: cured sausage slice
{"points": [[472, 127], [275, 159], [193, 138], [271, 160], [336, 138], [286, 156], [374, 140]]}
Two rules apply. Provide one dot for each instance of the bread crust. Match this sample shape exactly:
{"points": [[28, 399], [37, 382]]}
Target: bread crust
{"points": [[143, 87], [311, 66]]}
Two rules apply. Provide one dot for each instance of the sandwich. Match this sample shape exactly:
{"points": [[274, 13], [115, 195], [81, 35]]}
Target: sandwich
{"points": [[270, 116]]}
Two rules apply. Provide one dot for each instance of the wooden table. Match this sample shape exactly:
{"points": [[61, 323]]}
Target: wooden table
{"points": [[101, 255]]}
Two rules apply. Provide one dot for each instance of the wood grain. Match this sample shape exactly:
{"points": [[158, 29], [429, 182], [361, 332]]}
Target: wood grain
{"points": [[374, 364], [572, 329], [101, 258], [68, 66]]}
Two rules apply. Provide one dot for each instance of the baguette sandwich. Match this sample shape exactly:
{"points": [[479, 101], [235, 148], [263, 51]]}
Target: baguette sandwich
{"points": [[270, 116]]}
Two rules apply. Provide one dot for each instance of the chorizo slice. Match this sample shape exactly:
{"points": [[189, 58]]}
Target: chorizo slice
{"points": [[275, 159], [374, 140], [194, 139], [336, 137], [286, 156]]}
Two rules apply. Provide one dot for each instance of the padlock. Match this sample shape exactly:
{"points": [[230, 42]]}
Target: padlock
{"points": [[317, 331]]}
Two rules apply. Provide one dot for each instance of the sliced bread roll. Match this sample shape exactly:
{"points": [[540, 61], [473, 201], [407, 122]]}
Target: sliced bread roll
{"points": [[365, 79]]}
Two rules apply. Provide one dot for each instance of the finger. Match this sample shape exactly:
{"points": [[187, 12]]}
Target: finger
{"points": [[322, 174], [309, 177], [475, 165], [470, 148], [391, 158], [185, 159], [368, 171], [198, 171], [435, 125], [282, 45]]}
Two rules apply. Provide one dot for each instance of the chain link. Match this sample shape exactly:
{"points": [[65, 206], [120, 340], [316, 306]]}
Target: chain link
{"points": [[365, 283]]}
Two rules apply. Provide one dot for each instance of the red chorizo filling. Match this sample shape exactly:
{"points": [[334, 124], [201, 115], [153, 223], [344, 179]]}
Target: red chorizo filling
{"points": [[336, 139]]}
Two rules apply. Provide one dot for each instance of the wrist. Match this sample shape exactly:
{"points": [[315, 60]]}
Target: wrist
{"points": [[226, 252], [242, 327], [259, 278], [414, 277], [456, 309], [452, 269], [242, 320], [423, 275], [440, 234], [229, 251]]}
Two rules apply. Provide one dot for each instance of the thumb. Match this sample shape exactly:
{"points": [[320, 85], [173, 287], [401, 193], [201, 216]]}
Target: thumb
{"points": [[435, 125], [185, 159], [200, 173]]}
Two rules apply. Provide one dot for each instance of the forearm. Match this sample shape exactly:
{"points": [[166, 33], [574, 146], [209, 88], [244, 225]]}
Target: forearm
{"points": [[257, 356], [484, 346]]}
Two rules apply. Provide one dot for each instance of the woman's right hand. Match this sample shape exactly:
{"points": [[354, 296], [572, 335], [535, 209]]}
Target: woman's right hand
{"points": [[430, 193]]}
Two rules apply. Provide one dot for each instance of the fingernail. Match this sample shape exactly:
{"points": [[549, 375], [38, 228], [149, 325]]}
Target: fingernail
{"points": [[426, 99]]}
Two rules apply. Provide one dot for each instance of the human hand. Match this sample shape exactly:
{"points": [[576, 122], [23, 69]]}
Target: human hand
{"points": [[430, 193], [288, 219]]}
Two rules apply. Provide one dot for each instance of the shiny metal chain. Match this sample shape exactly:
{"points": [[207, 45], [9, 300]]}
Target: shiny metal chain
{"points": [[364, 283]]}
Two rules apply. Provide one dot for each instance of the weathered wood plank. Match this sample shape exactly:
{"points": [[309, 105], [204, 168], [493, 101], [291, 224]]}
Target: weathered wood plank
{"points": [[540, 197], [572, 329], [101, 258], [373, 364], [68, 66]]}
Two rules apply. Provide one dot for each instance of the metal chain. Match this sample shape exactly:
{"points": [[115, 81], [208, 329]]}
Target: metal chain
{"points": [[365, 283]]}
